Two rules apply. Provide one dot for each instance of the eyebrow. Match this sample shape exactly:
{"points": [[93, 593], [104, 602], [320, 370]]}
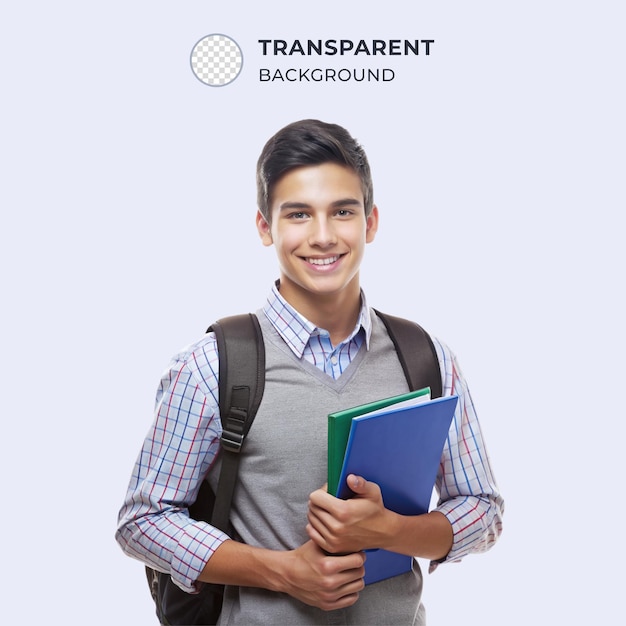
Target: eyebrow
{"points": [[336, 204]]}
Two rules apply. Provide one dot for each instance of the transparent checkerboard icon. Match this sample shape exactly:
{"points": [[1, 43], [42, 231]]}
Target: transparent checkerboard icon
{"points": [[216, 60]]}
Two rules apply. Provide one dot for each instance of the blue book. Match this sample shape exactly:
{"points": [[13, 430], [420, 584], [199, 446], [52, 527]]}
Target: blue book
{"points": [[339, 424], [400, 450]]}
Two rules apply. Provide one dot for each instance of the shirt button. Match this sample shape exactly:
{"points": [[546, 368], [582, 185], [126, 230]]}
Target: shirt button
{"points": [[333, 360]]}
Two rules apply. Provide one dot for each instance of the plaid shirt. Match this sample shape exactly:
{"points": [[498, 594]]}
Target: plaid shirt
{"points": [[184, 439]]}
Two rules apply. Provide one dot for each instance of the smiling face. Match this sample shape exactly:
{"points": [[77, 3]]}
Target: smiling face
{"points": [[319, 228]]}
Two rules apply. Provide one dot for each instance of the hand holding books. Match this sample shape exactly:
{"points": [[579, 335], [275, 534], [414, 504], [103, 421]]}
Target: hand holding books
{"points": [[396, 446]]}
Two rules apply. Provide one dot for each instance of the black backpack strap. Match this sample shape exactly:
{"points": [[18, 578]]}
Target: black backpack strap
{"points": [[416, 353], [241, 383]]}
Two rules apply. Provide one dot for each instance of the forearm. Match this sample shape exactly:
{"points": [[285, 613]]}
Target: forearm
{"points": [[427, 536], [238, 564], [306, 573]]}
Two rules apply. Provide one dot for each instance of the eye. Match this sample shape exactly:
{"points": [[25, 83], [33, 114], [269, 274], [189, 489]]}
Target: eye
{"points": [[298, 215], [344, 212]]}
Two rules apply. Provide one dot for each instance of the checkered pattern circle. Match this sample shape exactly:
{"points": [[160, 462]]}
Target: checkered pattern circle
{"points": [[216, 60]]}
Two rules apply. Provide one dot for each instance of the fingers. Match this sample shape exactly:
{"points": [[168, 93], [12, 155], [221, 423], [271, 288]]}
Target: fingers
{"points": [[350, 567], [325, 581], [329, 534], [326, 525], [344, 595], [341, 526], [315, 536]]}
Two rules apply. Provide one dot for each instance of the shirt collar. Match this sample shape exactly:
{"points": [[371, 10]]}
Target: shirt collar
{"points": [[297, 331]]}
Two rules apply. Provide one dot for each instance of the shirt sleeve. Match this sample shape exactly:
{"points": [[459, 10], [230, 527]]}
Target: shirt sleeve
{"points": [[468, 494], [154, 524]]}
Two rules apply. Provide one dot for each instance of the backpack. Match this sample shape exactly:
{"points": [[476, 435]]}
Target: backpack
{"points": [[241, 355]]}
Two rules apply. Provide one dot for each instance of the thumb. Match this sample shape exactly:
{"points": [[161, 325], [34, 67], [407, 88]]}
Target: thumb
{"points": [[359, 485]]}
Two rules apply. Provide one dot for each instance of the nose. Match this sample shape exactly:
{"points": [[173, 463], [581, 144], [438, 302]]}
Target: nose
{"points": [[322, 233]]}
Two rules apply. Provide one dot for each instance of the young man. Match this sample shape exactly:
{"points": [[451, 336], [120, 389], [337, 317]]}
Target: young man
{"points": [[325, 350]]}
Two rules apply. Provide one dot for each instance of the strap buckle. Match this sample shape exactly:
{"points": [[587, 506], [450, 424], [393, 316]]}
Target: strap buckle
{"points": [[232, 430], [232, 441]]}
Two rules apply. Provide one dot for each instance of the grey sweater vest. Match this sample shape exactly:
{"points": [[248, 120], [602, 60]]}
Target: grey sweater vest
{"points": [[285, 459]]}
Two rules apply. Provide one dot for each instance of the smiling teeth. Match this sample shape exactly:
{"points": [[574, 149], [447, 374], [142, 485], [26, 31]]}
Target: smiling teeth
{"points": [[327, 261]]}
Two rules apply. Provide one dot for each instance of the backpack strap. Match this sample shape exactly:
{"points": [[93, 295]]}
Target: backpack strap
{"points": [[241, 383], [416, 353], [241, 354]]}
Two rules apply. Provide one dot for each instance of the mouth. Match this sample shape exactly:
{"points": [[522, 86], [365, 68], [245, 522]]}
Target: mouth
{"points": [[323, 261]]}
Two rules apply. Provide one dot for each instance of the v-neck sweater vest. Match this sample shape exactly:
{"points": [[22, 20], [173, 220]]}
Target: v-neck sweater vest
{"points": [[285, 459]]}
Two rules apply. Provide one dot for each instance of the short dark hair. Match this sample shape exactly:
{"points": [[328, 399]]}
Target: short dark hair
{"points": [[309, 142]]}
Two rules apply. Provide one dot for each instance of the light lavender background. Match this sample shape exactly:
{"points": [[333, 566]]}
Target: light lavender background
{"points": [[128, 205]]}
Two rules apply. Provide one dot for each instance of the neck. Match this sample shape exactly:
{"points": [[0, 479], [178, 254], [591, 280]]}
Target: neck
{"points": [[339, 322], [336, 313]]}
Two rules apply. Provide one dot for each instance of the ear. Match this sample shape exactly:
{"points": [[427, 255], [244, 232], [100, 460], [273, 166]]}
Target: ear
{"points": [[265, 231], [371, 225]]}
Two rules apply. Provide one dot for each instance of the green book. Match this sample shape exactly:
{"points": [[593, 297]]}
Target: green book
{"points": [[339, 428]]}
